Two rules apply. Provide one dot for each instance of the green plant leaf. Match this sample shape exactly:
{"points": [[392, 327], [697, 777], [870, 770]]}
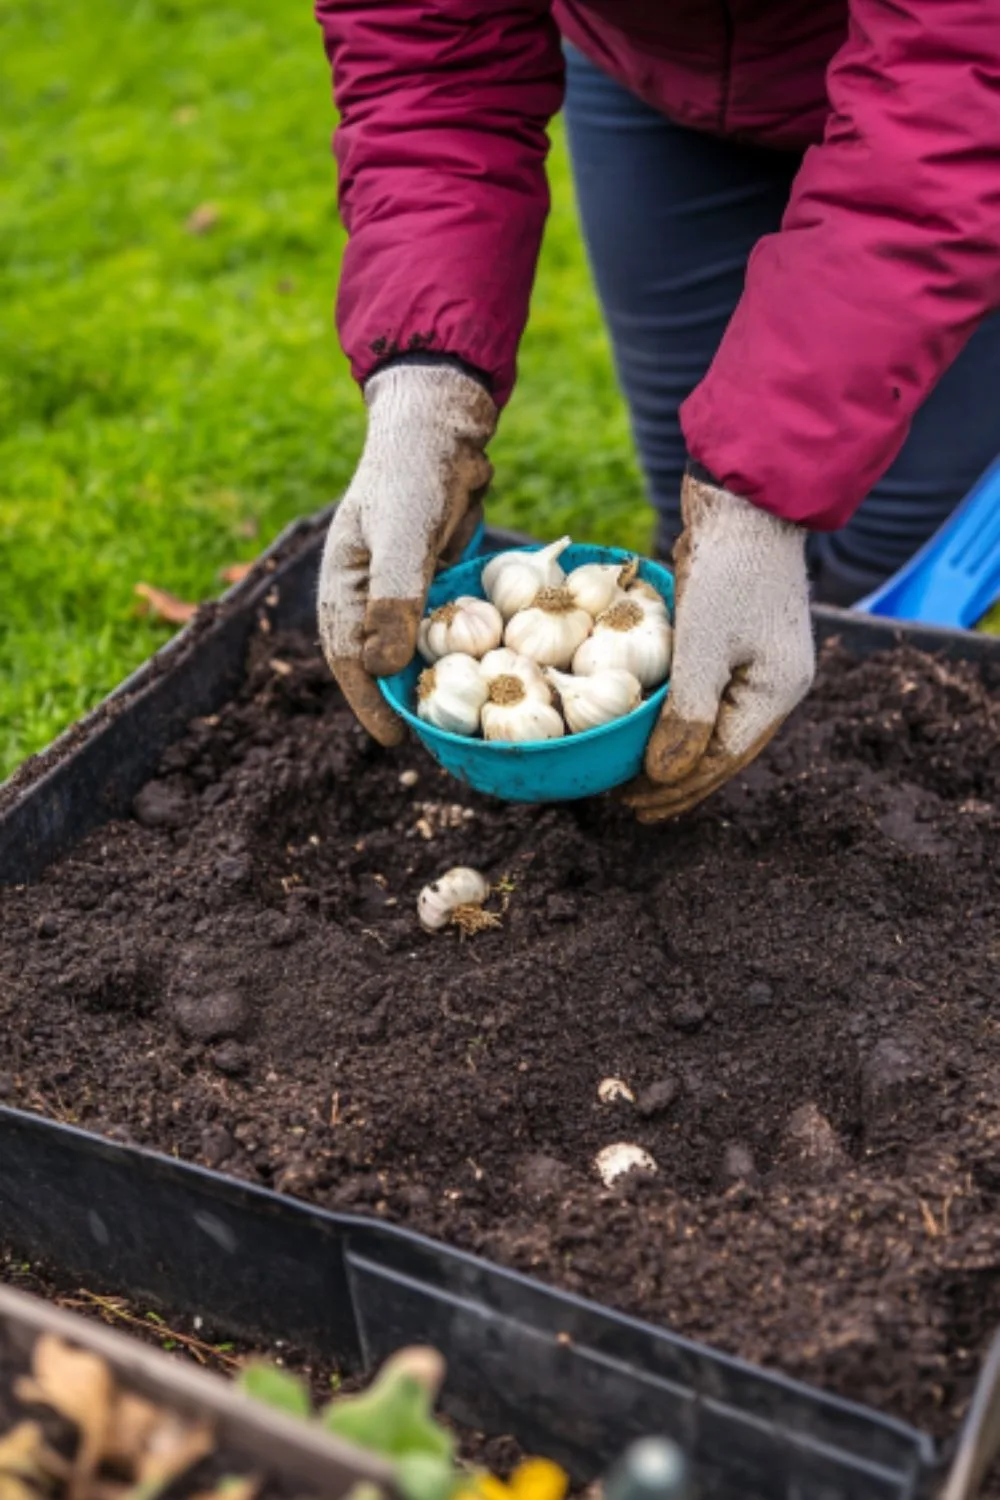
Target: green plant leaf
{"points": [[276, 1388], [392, 1417], [420, 1476]]}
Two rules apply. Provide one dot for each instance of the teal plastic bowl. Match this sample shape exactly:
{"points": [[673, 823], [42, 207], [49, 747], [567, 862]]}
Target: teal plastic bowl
{"points": [[580, 765]]}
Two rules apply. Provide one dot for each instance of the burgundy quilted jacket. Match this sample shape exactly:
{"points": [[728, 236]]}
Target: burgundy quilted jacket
{"points": [[888, 257]]}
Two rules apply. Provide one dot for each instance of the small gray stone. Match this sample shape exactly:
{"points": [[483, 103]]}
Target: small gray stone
{"points": [[889, 1074], [280, 930], [160, 805], [657, 1098], [688, 1016], [217, 1145], [234, 869], [231, 1059], [759, 994], [48, 926], [812, 1140], [738, 1164], [209, 1018], [543, 1176]]}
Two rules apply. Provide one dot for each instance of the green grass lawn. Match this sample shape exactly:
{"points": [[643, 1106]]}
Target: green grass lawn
{"points": [[170, 400]]}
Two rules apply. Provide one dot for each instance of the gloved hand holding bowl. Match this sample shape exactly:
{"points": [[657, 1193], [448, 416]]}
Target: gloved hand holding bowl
{"points": [[787, 211]]}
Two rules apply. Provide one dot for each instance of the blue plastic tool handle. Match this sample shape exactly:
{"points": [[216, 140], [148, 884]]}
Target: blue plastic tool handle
{"points": [[955, 578]]}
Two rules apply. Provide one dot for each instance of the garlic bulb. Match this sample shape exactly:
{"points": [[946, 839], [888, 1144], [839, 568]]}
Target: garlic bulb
{"points": [[471, 626], [596, 586], [614, 1161], [514, 578], [519, 708], [451, 694], [628, 637], [505, 662], [438, 902], [551, 630], [647, 598], [588, 702]]}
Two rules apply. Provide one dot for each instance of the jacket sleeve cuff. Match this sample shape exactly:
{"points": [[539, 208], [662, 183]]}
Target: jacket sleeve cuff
{"points": [[426, 358]]}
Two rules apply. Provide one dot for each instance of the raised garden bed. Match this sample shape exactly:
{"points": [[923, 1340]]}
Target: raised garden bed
{"points": [[796, 984]]}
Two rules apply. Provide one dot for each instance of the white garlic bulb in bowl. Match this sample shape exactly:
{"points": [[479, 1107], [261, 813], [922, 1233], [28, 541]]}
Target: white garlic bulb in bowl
{"points": [[551, 630], [519, 706], [596, 586], [467, 625], [589, 702], [648, 600], [451, 694], [512, 579], [505, 662], [627, 636]]}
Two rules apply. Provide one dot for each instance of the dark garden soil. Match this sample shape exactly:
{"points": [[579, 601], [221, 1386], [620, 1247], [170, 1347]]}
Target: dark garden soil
{"points": [[798, 983]]}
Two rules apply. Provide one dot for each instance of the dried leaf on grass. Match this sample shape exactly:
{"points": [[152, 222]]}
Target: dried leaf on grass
{"points": [[134, 1437], [202, 219], [165, 606], [235, 572]]}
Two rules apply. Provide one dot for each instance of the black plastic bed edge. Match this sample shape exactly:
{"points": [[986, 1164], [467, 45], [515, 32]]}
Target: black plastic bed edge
{"points": [[566, 1377]]}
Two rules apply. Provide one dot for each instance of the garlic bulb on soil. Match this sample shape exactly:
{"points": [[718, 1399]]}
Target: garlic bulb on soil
{"points": [[514, 578], [471, 626], [628, 637], [551, 630], [451, 694], [596, 586], [589, 702], [438, 902], [519, 708], [614, 1161]]}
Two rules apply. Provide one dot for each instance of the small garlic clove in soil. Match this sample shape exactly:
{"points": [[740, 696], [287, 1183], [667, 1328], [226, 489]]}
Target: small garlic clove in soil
{"points": [[610, 1090], [616, 1161]]}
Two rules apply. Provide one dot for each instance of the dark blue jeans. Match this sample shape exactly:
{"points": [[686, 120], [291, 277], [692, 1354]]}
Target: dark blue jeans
{"points": [[670, 218]]}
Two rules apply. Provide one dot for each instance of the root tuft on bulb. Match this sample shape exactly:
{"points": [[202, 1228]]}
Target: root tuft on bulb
{"points": [[470, 918], [556, 601], [506, 690], [625, 615]]}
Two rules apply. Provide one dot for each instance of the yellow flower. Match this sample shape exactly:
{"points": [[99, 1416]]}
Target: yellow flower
{"points": [[535, 1479]]}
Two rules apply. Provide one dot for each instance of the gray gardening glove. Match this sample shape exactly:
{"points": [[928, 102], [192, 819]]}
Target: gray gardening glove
{"points": [[414, 502], [743, 649]]}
